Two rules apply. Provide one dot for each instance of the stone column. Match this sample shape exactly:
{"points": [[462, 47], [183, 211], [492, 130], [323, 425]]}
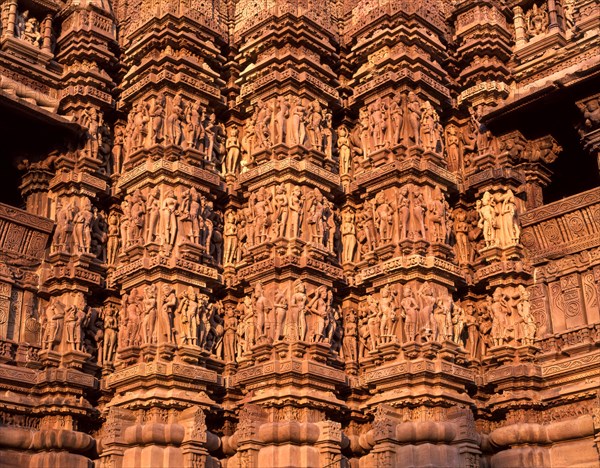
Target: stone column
{"points": [[12, 18], [47, 31], [553, 15], [519, 21]]}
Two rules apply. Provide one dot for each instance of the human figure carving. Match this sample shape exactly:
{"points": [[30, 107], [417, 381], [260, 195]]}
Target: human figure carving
{"points": [[499, 313], [349, 348], [52, 328], [156, 115], [297, 320], [280, 216], [280, 307], [169, 306], [149, 334], [384, 217], [169, 218], [412, 120], [232, 145], [344, 150], [174, 122], [109, 347], [526, 323], [189, 316], [230, 325], [487, 218], [82, 226], [296, 210], [348, 237], [410, 314]]}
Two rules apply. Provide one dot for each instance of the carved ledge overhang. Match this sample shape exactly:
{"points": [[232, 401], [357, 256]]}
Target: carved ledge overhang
{"points": [[494, 177], [571, 370], [564, 227], [366, 14], [403, 79], [408, 378], [158, 78], [77, 183], [143, 383], [23, 234], [569, 344], [300, 170], [66, 377], [66, 273], [413, 170], [153, 171], [202, 18], [483, 92], [554, 64], [168, 269], [552, 270], [409, 267], [314, 14], [319, 380], [500, 269], [278, 265], [287, 79]]}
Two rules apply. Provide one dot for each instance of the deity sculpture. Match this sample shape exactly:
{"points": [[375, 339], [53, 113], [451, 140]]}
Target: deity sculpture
{"points": [[487, 218], [350, 337], [82, 227], [383, 218], [410, 314], [296, 211], [230, 325], [499, 312], [297, 309], [526, 324], [387, 311], [454, 152], [52, 324], [232, 145], [149, 335], [110, 333], [280, 308], [281, 205], [156, 113], [348, 229], [344, 150], [188, 312]]}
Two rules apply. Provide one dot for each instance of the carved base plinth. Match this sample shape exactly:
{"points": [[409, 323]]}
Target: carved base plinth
{"points": [[371, 359], [430, 349], [49, 358], [282, 349], [132, 252], [501, 354], [88, 164], [439, 250], [385, 252], [128, 356], [262, 351], [75, 359], [166, 351], [318, 351], [491, 254], [527, 353], [149, 352], [484, 161], [435, 158], [513, 252], [411, 349], [389, 347], [189, 354], [107, 368], [351, 367], [381, 156], [299, 349], [193, 252]]}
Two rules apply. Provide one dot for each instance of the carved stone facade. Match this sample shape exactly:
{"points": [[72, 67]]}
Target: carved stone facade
{"points": [[263, 233]]}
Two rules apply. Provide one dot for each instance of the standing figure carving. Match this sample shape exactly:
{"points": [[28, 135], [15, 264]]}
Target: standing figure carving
{"points": [[232, 145], [348, 237], [410, 314]]}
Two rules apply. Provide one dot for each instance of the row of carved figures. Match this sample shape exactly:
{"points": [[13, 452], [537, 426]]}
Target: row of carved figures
{"points": [[283, 211], [183, 122], [423, 313], [410, 313]]}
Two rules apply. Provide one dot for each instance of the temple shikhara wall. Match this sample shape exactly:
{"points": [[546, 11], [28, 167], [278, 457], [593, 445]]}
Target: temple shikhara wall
{"points": [[299, 233]]}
